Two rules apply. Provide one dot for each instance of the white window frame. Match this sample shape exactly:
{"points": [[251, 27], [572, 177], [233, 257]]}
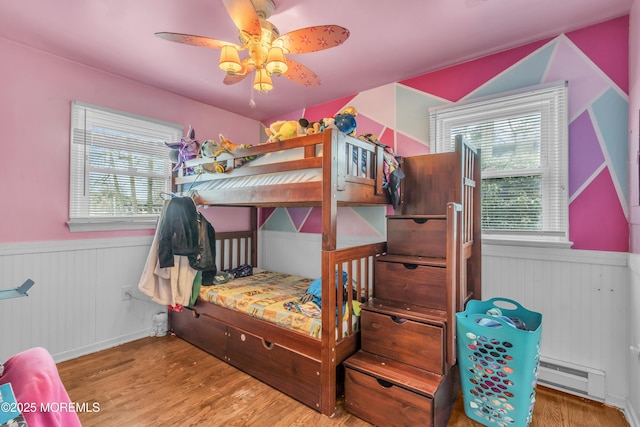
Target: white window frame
{"points": [[82, 115], [550, 101]]}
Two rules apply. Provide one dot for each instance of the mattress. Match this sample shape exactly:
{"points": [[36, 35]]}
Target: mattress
{"points": [[287, 177], [274, 297], [219, 182]]}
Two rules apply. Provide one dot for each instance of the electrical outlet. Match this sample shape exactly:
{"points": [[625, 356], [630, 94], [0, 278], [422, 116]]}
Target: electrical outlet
{"points": [[125, 293]]}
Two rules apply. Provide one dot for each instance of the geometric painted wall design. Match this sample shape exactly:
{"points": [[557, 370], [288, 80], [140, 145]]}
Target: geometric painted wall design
{"points": [[594, 62], [353, 222]]}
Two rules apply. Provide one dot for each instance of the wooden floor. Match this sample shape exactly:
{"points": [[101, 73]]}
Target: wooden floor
{"points": [[167, 382]]}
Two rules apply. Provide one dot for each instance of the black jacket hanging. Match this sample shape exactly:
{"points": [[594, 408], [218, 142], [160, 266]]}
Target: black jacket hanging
{"points": [[185, 231], [205, 259], [178, 231]]}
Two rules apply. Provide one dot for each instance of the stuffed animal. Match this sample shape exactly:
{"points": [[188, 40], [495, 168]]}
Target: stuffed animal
{"points": [[346, 121], [309, 128], [210, 148], [186, 149], [313, 128], [160, 325], [227, 144], [326, 123], [284, 129], [213, 149]]}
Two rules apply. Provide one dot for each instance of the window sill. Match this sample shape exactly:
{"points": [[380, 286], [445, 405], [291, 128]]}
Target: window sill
{"points": [[111, 224], [535, 243]]}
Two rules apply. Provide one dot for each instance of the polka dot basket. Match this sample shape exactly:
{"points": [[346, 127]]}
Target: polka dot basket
{"points": [[498, 354]]}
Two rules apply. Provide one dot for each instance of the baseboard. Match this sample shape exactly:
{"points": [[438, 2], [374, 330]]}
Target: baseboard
{"points": [[99, 346], [631, 415]]}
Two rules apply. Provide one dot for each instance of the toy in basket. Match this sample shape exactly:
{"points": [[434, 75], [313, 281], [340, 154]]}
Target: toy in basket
{"points": [[498, 356]]}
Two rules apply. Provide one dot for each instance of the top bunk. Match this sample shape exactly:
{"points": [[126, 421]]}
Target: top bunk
{"points": [[300, 171]]}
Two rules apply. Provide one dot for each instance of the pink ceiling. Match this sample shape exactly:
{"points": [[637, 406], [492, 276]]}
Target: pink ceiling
{"points": [[389, 42]]}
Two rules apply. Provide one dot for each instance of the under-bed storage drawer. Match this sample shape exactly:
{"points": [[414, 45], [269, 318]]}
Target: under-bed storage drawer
{"points": [[417, 236], [385, 404], [407, 341], [200, 330], [407, 282], [290, 372]]}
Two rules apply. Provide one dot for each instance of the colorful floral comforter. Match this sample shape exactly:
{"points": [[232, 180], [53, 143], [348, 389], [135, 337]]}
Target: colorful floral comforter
{"points": [[274, 297]]}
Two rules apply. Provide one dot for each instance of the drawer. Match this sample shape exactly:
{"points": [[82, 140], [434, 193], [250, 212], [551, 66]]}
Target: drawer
{"points": [[407, 341], [201, 331], [412, 283], [382, 403], [417, 236], [286, 370]]}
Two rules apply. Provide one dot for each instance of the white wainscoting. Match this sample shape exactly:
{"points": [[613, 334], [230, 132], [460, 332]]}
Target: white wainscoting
{"points": [[633, 405], [297, 253], [584, 300], [75, 306]]}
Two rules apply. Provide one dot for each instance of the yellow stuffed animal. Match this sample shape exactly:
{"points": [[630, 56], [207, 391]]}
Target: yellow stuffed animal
{"points": [[284, 129]]}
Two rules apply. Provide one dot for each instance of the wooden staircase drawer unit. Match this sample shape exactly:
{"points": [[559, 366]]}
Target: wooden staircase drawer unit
{"points": [[410, 282], [405, 340], [382, 403], [417, 235]]}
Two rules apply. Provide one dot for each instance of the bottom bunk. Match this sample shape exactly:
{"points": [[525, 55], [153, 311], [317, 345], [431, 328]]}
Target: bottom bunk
{"points": [[266, 325]]}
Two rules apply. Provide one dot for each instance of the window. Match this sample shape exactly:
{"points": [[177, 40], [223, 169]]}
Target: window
{"points": [[523, 141], [119, 166]]}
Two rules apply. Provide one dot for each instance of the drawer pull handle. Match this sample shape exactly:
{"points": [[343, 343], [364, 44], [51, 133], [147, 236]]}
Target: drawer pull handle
{"points": [[383, 383], [410, 266], [398, 320], [267, 344], [420, 220]]}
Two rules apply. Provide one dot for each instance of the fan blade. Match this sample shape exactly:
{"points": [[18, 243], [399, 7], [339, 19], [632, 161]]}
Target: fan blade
{"points": [[246, 69], [244, 15], [195, 40], [300, 74], [312, 39]]}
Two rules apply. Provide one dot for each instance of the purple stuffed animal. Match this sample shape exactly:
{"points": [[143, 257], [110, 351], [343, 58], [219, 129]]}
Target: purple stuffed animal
{"points": [[186, 149]]}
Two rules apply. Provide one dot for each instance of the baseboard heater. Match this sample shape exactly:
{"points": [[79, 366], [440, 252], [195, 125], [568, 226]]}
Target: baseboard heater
{"points": [[571, 378]]}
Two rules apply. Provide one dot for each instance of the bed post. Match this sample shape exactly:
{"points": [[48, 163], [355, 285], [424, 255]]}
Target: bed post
{"points": [[379, 169], [475, 266], [254, 237], [329, 189], [329, 230]]}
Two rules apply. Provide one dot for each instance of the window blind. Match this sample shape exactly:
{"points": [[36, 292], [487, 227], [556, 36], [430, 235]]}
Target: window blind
{"points": [[523, 141], [119, 163]]}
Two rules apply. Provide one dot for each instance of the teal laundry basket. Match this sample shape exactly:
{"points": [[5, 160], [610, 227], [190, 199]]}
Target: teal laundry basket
{"points": [[498, 357]]}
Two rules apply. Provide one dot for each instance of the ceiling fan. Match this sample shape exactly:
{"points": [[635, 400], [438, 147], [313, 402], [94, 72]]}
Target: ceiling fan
{"points": [[265, 46]]}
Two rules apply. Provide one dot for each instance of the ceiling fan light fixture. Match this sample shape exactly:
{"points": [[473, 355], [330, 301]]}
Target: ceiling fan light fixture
{"points": [[230, 59], [265, 46], [276, 63], [262, 81]]}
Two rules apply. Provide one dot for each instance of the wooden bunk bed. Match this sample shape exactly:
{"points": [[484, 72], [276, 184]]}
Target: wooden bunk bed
{"points": [[346, 172], [303, 367]]}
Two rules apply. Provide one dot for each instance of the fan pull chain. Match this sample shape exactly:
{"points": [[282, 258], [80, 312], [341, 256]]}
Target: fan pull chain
{"points": [[252, 102]]}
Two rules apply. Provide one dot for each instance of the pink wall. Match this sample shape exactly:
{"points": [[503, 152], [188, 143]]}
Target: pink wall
{"points": [[37, 89]]}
